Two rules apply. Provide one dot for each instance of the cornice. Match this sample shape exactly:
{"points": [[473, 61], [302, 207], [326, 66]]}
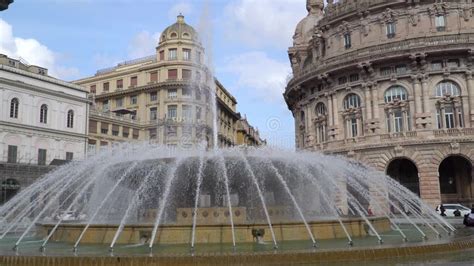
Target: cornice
{"points": [[15, 128], [36, 89]]}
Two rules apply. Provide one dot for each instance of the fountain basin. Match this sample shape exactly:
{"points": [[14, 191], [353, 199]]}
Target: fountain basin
{"points": [[207, 234]]}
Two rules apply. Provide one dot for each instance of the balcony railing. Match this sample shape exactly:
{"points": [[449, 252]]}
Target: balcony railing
{"points": [[377, 51]]}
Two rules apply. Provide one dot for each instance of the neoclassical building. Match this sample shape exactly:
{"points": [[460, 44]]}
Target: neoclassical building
{"points": [[42, 119], [166, 98], [390, 84]]}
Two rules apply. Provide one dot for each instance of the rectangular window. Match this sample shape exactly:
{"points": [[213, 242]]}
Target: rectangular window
{"points": [[104, 128], [354, 77], [186, 92], [440, 22], [93, 89], [187, 54], [385, 71], [92, 127], [198, 94], [449, 117], [172, 111], [69, 156], [186, 74], [154, 76], [401, 69], [162, 55], [105, 106], [172, 74], [41, 157], [12, 154], [171, 131], [198, 113], [437, 65], [438, 119], [198, 57], [172, 54], [154, 96], [172, 93], [354, 132], [133, 81], [115, 130], [453, 63], [398, 121], [153, 113], [391, 29], [125, 132], [187, 113], [133, 99], [106, 87], [153, 134], [347, 40], [136, 133], [119, 102], [342, 80], [120, 84]]}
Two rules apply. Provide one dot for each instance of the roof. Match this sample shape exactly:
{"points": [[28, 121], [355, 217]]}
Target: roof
{"points": [[179, 31]]}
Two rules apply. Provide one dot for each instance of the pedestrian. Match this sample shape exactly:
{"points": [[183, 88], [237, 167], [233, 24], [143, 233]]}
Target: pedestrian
{"points": [[442, 210]]}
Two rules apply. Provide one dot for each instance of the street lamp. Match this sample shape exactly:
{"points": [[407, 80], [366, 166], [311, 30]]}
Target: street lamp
{"points": [[4, 4]]}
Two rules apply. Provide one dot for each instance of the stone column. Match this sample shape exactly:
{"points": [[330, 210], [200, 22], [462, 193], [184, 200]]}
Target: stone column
{"points": [[375, 100], [426, 94], [330, 111], [335, 110], [417, 94], [368, 103], [470, 91]]}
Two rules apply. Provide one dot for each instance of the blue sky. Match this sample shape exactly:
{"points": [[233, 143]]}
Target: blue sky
{"points": [[250, 38]]}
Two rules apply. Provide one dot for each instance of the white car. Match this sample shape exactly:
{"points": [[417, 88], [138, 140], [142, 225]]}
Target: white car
{"points": [[451, 208]]}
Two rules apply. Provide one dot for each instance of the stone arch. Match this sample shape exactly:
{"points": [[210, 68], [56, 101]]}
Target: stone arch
{"points": [[435, 80], [351, 93], [456, 179], [405, 171]]}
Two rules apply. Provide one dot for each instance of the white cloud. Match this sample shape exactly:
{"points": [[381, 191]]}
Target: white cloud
{"points": [[33, 52], [264, 23], [255, 70], [143, 44]]}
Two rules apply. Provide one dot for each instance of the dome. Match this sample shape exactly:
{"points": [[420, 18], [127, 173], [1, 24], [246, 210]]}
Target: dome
{"points": [[179, 31]]}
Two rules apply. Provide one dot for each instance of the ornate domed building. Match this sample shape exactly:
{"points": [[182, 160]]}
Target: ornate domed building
{"points": [[165, 98], [390, 84]]}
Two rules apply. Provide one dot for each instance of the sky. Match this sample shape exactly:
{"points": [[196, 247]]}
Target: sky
{"points": [[249, 40]]}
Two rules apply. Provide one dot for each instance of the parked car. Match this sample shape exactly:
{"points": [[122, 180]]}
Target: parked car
{"points": [[68, 216], [451, 210]]}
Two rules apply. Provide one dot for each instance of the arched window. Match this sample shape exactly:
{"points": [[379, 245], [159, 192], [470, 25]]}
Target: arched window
{"points": [[353, 115], [14, 108], [447, 88], [70, 119], [44, 114], [321, 109], [397, 110], [352, 101], [174, 35], [395, 93], [449, 110]]}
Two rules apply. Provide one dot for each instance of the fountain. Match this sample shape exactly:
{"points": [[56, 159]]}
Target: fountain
{"points": [[151, 201]]}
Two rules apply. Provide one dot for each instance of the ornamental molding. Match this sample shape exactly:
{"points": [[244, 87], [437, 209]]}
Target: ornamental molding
{"points": [[344, 28], [388, 16], [414, 16], [438, 9]]}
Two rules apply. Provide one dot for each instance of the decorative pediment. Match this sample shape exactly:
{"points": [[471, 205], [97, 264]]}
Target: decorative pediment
{"points": [[345, 27]]}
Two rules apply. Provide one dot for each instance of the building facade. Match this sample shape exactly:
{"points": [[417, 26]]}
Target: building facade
{"points": [[390, 84], [166, 98], [41, 119]]}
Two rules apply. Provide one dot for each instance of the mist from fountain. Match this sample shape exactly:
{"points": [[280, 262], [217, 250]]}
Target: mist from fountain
{"points": [[118, 187]]}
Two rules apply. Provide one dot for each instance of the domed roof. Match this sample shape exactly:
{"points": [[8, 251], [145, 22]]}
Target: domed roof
{"points": [[179, 31]]}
